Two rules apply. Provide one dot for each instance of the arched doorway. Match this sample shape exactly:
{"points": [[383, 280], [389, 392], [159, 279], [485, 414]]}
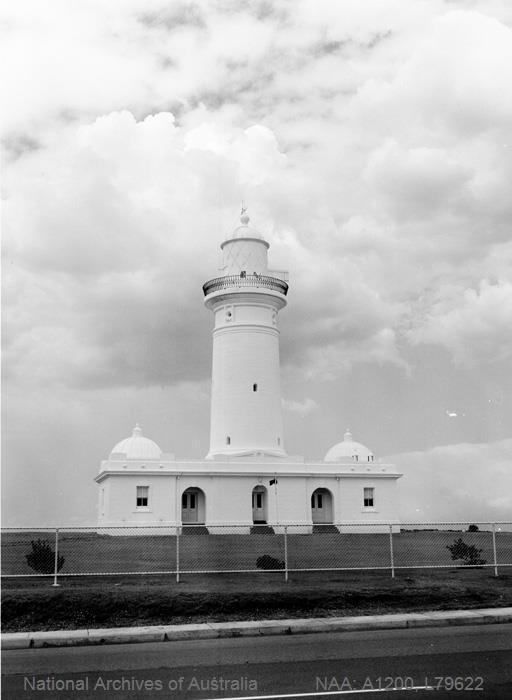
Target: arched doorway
{"points": [[192, 506], [321, 506], [259, 505]]}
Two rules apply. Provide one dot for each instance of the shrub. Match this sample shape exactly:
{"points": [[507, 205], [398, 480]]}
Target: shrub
{"points": [[268, 562], [473, 528], [42, 557], [469, 554]]}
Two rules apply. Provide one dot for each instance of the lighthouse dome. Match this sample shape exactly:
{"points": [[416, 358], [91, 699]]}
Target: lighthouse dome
{"points": [[136, 447], [245, 231], [349, 451]]}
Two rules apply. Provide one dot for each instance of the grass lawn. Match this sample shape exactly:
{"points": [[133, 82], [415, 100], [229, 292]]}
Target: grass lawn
{"points": [[121, 600], [32, 604], [88, 552]]}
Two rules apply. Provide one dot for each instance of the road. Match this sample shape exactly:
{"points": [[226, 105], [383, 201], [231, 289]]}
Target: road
{"points": [[479, 656]]}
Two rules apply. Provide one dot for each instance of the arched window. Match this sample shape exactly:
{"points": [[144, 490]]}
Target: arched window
{"points": [[228, 440]]}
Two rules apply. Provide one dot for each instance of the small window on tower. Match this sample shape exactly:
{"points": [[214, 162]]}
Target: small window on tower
{"points": [[278, 440], [228, 440], [255, 387]]}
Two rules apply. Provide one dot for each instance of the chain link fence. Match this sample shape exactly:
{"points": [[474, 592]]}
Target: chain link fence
{"points": [[197, 549]]}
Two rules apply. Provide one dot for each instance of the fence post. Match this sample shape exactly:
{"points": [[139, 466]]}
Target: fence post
{"points": [[286, 552], [56, 560], [177, 555], [391, 551], [494, 549]]}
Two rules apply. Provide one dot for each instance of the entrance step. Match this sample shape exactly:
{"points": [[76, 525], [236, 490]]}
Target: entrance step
{"points": [[194, 530], [325, 530], [262, 530]]}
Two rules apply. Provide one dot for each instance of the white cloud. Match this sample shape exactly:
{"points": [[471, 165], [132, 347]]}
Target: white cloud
{"points": [[416, 182], [388, 199], [456, 483], [302, 408], [453, 83], [475, 325], [110, 238]]}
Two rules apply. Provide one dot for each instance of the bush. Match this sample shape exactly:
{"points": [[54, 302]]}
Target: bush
{"points": [[42, 557], [473, 528], [469, 554], [268, 562]]}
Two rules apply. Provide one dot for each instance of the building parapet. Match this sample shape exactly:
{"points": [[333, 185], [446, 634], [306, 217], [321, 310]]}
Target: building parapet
{"points": [[243, 280], [264, 469]]}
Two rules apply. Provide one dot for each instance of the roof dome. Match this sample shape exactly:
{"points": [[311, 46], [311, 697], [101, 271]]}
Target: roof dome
{"points": [[349, 451], [137, 447], [245, 231]]}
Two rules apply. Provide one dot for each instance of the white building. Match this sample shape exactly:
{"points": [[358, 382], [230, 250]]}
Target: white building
{"points": [[246, 478]]}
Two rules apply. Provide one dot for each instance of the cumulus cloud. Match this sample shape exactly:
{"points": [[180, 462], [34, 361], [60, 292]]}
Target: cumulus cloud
{"points": [[474, 324], [107, 263], [454, 80], [302, 408], [456, 483], [416, 182], [422, 174]]}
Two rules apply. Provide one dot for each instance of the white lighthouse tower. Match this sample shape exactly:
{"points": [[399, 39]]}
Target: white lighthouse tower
{"points": [[246, 393]]}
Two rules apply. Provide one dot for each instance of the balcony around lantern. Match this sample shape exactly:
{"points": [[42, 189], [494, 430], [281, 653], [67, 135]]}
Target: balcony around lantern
{"points": [[244, 280]]}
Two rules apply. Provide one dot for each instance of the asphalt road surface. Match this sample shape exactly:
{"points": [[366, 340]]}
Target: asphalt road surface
{"points": [[446, 662]]}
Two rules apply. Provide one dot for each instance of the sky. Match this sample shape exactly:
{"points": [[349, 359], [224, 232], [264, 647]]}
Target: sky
{"points": [[372, 144]]}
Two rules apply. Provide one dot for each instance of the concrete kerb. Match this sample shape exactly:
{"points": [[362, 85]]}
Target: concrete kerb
{"points": [[218, 630]]}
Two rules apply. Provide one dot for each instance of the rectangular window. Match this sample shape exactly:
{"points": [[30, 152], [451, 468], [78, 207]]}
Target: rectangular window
{"points": [[142, 496], [258, 500], [192, 497], [368, 497], [183, 500]]}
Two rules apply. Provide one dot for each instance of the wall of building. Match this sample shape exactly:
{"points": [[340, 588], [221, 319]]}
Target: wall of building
{"points": [[120, 505], [228, 498]]}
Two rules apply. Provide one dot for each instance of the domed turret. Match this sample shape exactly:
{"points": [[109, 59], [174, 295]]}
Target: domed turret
{"points": [[136, 447], [349, 451], [245, 231], [244, 251]]}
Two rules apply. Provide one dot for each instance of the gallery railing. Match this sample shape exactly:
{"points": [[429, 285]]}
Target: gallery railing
{"points": [[253, 280], [195, 549]]}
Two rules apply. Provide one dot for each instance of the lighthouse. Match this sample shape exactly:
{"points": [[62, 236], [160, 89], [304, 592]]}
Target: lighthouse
{"points": [[247, 480], [246, 417]]}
